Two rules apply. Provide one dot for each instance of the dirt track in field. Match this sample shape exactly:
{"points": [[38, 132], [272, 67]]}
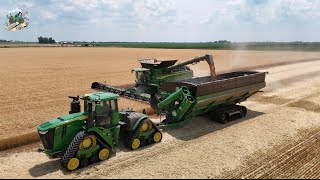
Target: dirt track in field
{"points": [[278, 138]]}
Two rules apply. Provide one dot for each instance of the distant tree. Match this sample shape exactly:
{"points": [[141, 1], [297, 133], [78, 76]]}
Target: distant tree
{"points": [[45, 40], [40, 39], [51, 41]]}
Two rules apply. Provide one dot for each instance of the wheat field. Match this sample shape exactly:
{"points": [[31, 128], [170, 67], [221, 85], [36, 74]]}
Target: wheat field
{"points": [[36, 82]]}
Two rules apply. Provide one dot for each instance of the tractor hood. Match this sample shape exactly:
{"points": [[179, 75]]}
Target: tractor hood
{"points": [[62, 120]]}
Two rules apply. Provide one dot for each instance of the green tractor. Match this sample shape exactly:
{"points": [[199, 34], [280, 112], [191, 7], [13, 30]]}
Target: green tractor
{"points": [[83, 138]]}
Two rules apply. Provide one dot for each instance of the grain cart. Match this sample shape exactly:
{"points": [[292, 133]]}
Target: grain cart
{"points": [[83, 138], [152, 74], [183, 100]]}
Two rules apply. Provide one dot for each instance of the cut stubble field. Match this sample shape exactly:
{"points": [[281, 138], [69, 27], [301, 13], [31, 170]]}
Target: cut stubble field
{"points": [[35, 82], [278, 138]]}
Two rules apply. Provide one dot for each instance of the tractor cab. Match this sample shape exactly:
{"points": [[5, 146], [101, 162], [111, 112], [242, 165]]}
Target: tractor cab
{"points": [[101, 108], [142, 75]]}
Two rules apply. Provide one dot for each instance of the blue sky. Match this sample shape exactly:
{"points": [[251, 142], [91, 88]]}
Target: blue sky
{"points": [[166, 20]]}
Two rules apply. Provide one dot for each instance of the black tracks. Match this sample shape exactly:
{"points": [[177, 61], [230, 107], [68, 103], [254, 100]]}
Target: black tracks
{"points": [[72, 148]]}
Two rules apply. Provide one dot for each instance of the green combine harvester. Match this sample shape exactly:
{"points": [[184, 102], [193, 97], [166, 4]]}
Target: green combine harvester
{"points": [[152, 74], [83, 138]]}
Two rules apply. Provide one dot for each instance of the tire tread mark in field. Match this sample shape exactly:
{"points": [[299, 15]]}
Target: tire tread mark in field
{"points": [[123, 162], [297, 157], [290, 163]]}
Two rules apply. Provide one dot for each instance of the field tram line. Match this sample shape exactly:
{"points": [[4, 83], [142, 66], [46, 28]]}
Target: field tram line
{"points": [[282, 159], [307, 169], [305, 163], [285, 166], [151, 152], [262, 165], [315, 174], [269, 165]]}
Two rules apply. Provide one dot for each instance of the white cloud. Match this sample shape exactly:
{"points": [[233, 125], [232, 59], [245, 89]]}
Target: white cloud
{"points": [[3, 12], [235, 12], [170, 20], [47, 15], [154, 12]]}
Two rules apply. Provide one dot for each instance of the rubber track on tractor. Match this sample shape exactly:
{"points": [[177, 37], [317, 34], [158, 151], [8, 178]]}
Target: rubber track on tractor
{"points": [[72, 148], [120, 91], [136, 132], [104, 145]]}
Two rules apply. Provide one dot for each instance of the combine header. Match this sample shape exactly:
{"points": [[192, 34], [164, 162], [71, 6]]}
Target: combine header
{"points": [[152, 74]]}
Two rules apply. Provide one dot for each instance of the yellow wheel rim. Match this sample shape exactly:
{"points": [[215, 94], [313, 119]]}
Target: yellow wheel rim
{"points": [[73, 164], [135, 143], [88, 142], [157, 137], [144, 127], [104, 154]]}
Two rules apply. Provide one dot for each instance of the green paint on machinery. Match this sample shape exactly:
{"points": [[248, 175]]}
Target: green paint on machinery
{"points": [[82, 138], [152, 74], [203, 96]]}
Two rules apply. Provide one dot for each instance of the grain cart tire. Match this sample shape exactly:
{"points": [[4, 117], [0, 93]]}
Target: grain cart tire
{"points": [[244, 111], [224, 117]]}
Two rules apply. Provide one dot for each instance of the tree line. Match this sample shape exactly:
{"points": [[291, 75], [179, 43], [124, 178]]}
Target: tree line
{"points": [[45, 40]]}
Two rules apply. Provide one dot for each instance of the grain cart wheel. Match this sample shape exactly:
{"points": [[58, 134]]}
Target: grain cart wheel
{"points": [[224, 117], [244, 111], [157, 137], [73, 164], [104, 154]]}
